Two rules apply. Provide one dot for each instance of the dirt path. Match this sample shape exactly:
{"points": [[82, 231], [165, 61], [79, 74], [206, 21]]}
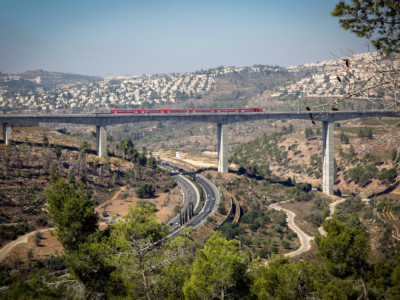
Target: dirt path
{"points": [[24, 239], [305, 240], [332, 207], [20, 240], [113, 198]]}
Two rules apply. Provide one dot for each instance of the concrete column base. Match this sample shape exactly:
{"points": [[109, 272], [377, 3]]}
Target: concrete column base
{"points": [[327, 158], [7, 133], [101, 132], [222, 132]]}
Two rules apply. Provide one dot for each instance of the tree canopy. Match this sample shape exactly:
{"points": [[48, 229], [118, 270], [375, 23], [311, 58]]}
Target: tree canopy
{"points": [[378, 20], [344, 249], [71, 207], [142, 263], [146, 190], [219, 270]]}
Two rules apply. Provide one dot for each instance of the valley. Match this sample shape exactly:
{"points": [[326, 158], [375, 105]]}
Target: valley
{"points": [[270, 204]]}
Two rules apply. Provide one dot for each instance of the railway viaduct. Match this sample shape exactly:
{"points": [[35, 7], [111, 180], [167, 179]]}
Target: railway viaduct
{"points": [[101, 121]]}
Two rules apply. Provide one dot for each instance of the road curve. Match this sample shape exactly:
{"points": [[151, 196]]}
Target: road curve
{"points": [[212, 198], [189, 195], [305, 240], [22, 239], [332, 207]]}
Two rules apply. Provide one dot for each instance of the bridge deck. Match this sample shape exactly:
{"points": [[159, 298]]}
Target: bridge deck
{"points": [[223, 118]]}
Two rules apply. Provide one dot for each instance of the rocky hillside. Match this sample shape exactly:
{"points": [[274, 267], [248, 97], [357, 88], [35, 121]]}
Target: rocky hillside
{"points": [[365, 155]]}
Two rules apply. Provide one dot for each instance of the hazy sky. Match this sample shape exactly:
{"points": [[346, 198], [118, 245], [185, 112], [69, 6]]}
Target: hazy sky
{"points": [[117, 37]]}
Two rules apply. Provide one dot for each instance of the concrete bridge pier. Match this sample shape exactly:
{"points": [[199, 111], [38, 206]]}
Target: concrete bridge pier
{"points": [[327, 157], [222, 133], [6, 133], [101, 134]]}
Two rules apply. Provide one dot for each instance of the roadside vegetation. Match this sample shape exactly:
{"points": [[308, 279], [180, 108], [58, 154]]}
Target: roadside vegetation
{"points": [[133, 259]]}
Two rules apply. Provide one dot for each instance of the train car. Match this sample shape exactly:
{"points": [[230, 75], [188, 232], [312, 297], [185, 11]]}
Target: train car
{"points": [[187, 111], [202, 110], [128, 111], [178, 111], [100, 112]]}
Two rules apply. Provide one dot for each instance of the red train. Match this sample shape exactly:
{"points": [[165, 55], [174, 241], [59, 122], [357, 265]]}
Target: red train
{"points": [[187, 111]]}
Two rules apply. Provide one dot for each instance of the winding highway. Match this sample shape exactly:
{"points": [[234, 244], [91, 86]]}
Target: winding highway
{"points": [[190, 195], [212, 198]]}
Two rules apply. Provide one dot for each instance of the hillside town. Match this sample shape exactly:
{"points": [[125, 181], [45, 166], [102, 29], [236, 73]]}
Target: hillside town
{"points": [[329, 78], [121, 91], [324, 79]]}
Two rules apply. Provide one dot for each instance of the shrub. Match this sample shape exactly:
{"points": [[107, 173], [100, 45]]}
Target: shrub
{"points": [[309, 171], [278, 228], [39, 235], [365, 132], [337, 192], [368, 213], [246, 240], [146, 202], [291, 235], [221, 208], [37, 240], [286, 244], [361, 175], [254, 226], [230, 230], [344, 139], [381, 204], [21, 229], [85, 147], [305, 187], [29, 254], [211, 219], [263, 252], [387, 175], [56, 263], [296, 168], [146, 190]]}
